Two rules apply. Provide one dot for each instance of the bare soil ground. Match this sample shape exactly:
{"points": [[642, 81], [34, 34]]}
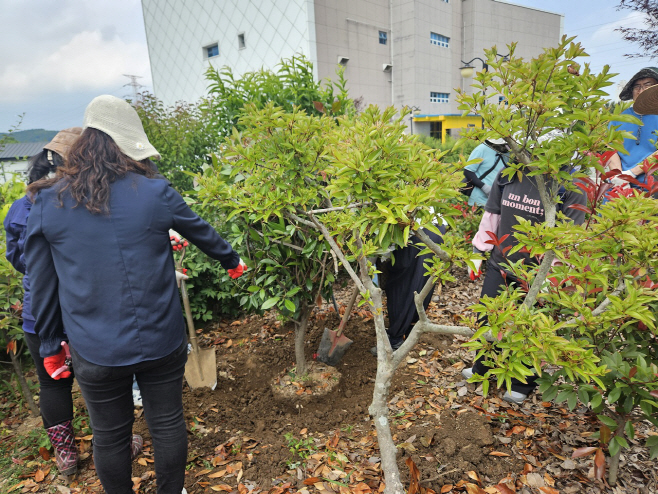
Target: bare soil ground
{"points": [[246, 437]]}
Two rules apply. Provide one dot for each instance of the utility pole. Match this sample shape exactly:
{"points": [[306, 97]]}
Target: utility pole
{"points": [[135, 85]]}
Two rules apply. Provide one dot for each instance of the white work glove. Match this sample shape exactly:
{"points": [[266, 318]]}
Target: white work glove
{"points": [[478, 269], [486, 189], [177, 242], [180, 277], [621, 180]]}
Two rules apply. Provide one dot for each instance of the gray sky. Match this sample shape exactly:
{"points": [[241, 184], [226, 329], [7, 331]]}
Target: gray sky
{"points": [[59, 54]]}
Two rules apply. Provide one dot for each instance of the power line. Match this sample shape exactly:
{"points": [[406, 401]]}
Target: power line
{"points": [[135, 85]]}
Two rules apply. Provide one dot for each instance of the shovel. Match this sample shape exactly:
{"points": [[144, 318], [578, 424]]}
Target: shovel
{"points": [[201, 366], [334, 344]]}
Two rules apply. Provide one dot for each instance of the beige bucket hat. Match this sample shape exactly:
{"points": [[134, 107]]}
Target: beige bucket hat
{"points": [[120, 121], [63, 141]]}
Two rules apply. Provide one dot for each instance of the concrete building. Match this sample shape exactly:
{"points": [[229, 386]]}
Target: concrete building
{"points": [[395, 52]]}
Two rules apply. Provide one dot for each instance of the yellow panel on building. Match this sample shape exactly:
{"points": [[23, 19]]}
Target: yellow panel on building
{"points": [[442, 123]]}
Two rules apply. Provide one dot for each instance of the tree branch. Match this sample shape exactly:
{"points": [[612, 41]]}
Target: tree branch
{"points": [[296, 247], [334, 247], [339, 208], [440, 253]]}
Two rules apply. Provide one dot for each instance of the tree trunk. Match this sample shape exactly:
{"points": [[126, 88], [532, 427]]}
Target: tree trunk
{"points": [[300, 336], [614, 468], [379, 407], [27, 394]]}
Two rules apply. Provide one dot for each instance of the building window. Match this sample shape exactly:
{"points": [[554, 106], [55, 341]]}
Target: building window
{"points": [[211, 51], [383, 37], [439, 97], [439, 40], [436, 129], [241, 43]]}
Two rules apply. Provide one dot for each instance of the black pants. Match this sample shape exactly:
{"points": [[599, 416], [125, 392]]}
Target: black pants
{"points": [[108, 393], [493, 284], [55, 399], [403, 278]]}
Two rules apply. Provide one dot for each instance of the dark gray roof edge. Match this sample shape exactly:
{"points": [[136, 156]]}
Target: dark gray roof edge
{"points": [[21, 150]]}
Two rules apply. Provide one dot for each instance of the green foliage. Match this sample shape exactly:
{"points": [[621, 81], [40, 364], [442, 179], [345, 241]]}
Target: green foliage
{"points": [[211, 290], [266, 172], [11, 281], [595, 320], [183, 134], [301, 449], [291, 85], [454, 148]]}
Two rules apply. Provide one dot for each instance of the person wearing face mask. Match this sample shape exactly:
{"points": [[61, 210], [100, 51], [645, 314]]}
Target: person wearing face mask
{"points": [[639, 147]]}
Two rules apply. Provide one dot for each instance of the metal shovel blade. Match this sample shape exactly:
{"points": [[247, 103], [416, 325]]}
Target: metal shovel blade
{"points": [[201, 366], [332, 347], [201, 369]]}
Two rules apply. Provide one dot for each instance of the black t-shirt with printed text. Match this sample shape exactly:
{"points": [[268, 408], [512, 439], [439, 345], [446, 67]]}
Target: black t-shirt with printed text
{"points": [[512, 198]]}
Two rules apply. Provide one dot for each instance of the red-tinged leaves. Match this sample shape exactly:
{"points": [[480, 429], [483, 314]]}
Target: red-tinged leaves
{"points": [[599, 464], [604, 157], [654, 393], [504, 489], [507, 249], [495, 240], [11, 347], [414, 477], [605, 434], [580, 452], [632, 372], [312, 480], [582, 208], [319, 106]]}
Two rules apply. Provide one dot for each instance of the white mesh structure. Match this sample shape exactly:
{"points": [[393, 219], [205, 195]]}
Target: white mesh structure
{"points": [[179, 31]]}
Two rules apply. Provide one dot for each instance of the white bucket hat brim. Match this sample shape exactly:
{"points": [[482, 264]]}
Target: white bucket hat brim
{"points": [[120, 121]]}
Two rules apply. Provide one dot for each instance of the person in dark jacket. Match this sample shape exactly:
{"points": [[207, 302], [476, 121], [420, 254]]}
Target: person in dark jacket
{"points": [[99, 255], [510, 200], [402, 277], [55, 401]]}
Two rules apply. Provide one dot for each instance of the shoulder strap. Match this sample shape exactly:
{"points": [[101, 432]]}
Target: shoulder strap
{"points": [[498, 158]]}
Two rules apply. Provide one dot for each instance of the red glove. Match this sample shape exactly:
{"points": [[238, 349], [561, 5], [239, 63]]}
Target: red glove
{"points": [[57, 366], [237, 272], [478, 272]]}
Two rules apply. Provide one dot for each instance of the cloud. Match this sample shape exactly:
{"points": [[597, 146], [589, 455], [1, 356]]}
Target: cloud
{"points": [[608, 32], [90, 60]]}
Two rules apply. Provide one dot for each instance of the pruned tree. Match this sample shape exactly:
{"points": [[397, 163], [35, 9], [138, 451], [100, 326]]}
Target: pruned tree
{"points": [[593, 324]]}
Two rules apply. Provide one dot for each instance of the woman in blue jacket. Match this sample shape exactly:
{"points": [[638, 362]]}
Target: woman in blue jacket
{"points": [[55, 401], [101, 266]]}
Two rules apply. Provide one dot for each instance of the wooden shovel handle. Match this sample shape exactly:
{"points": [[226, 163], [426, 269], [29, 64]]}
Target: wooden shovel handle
{"points": [[348, 311]]}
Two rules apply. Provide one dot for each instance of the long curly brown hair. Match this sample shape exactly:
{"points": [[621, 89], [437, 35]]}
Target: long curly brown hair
{"points": [[93, 163]]}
